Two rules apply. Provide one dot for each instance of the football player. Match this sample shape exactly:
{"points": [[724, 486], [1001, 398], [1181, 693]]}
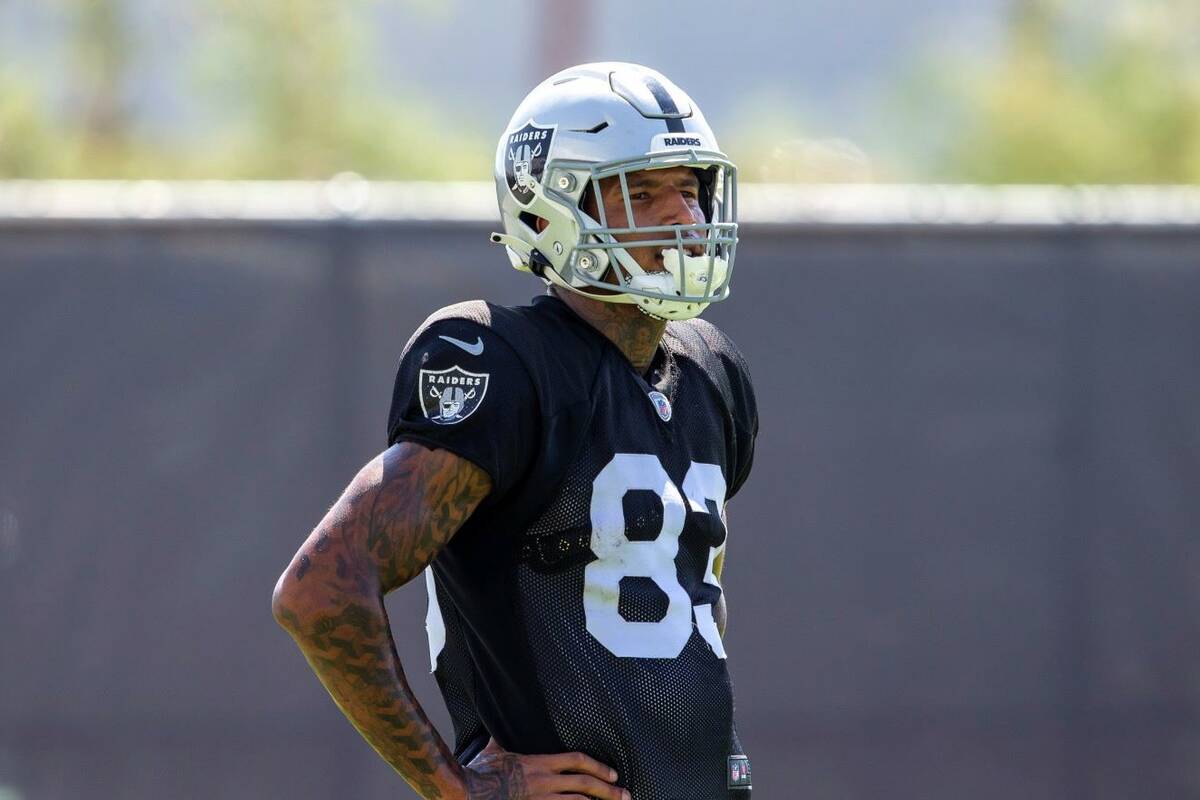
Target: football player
{"points": [[560, 472]]}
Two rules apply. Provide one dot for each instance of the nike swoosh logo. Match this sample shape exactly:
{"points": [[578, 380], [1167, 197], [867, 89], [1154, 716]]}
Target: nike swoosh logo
{"points": [[473, 349]]}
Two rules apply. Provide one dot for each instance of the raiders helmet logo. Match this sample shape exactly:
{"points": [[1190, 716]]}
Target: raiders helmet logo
{"points": [[451, 395], [525, 159]]}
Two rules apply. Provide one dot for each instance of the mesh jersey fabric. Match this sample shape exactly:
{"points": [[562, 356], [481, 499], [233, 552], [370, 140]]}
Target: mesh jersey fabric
{"points": [[578, 599]]}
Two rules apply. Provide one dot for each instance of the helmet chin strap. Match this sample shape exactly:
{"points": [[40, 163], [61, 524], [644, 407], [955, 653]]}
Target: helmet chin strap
{"points": [[695, 270], [520, 252]]}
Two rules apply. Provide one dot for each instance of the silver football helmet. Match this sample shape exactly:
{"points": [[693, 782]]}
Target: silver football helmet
{"points": [[608, 120]]}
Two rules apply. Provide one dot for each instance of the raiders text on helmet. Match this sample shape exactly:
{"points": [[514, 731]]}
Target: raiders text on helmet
{"points": [[608, 120]]}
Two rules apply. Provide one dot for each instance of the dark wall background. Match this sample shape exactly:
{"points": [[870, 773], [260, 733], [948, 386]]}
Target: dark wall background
{"points": [[967, 563]]}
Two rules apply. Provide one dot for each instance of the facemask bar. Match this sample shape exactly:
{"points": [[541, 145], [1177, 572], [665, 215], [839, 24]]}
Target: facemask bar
{"points": [[717, 238]]}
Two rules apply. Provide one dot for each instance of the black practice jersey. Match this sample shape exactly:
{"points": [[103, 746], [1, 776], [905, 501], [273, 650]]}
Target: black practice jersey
{"points": [[574, 609]]}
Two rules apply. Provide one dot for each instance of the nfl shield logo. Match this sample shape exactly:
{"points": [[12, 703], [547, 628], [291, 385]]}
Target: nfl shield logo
{"points": [[525, 159], [451, 395], [662, 405], [739, 772]]}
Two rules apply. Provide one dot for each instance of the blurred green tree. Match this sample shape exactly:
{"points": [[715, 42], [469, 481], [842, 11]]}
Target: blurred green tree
{"points": [[280, 89], [100, 49], [298, 82], [92, 133], [1109, 98], [28, 147]]}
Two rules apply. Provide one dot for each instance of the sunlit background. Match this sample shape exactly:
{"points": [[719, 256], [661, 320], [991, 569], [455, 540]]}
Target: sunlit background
{"points": [[990, 91]]}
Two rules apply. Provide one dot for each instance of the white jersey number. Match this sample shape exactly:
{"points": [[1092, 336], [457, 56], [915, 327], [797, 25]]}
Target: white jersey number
{"points": [[619, 557]]}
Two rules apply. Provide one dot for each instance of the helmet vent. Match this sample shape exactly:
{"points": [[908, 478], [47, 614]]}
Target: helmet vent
{"points": [[594, 129], [652, 95]]}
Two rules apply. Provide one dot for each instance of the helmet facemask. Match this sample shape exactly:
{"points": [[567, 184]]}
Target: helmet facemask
{"points": [[697, 257]]}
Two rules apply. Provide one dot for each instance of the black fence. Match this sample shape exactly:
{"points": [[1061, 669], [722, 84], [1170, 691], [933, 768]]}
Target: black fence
{"points": [[967, 563]]}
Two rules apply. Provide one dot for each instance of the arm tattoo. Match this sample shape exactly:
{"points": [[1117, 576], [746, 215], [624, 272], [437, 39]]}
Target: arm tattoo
{"points": [[391, 521], [496, 777]]}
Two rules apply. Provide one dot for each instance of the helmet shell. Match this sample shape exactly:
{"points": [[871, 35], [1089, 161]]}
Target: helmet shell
{"points": [[580, 125]]}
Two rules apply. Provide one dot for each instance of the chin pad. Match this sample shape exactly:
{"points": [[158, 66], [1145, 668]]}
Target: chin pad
{"points": [[666, 284], [695, 275]]}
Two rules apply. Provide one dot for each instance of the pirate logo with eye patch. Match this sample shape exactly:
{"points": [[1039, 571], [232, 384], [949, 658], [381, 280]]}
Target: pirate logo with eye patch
{"points": [[525, 159], [451, 395]]}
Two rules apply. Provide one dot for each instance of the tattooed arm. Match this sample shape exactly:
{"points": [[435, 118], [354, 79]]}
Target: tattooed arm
{"points": [[387, 526], [393, 518]]}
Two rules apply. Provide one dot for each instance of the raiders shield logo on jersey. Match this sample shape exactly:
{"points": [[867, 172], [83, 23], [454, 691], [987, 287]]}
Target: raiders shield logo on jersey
{"points": [[451, 395], [525, 158]]}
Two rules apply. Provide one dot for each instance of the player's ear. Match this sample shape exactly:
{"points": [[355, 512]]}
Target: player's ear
{"points": [[541, 223]]}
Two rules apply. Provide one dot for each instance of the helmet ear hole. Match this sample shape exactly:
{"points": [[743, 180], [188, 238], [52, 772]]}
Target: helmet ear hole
{"points": [[534, 222]]}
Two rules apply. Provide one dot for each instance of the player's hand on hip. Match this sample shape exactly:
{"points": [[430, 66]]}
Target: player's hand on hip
{"points": [[497, 774]]}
